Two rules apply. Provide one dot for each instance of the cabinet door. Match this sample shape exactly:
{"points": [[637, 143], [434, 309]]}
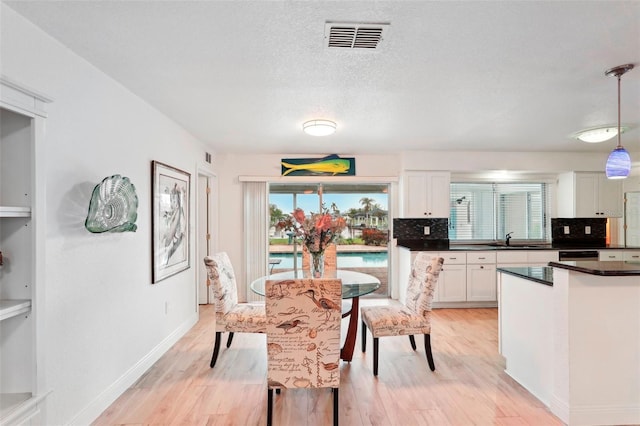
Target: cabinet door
{"points": [[426, 194], [452, 283], [587, 195], [415, 195], [610, 197], [481, 283], [438, 190], [597, 196]]}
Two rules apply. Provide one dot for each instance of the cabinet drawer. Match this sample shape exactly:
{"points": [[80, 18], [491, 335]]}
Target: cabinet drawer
{"points": [[481, 257], [453, 258], [605, 255], [542, 256], [631, 255], [516, 256]]}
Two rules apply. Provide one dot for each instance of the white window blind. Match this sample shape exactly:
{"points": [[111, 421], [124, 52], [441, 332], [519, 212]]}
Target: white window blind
{"points": [[488, 211], [256, 221]]}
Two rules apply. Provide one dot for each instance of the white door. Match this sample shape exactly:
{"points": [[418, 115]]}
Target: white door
{"points": [[632, 219], [203, 236]]}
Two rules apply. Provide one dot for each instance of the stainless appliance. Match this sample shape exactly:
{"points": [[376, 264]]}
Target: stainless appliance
{"points": [[578, 255]]}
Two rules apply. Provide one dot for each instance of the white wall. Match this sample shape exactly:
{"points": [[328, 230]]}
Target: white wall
{"points": [[105, 321]]}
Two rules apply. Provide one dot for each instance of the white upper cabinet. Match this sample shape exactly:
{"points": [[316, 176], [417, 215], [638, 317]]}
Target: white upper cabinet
{"points": [[589, 194], [426, 194]]}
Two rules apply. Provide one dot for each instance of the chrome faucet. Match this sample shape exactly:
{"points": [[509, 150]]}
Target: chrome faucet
{"points": [[507, 238]]}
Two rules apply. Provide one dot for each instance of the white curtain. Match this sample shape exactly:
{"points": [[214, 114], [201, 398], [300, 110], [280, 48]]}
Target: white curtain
{"points": [[256, 222]]}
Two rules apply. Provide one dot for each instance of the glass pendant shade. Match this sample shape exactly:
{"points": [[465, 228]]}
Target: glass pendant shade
{"points": [[618, 164]]}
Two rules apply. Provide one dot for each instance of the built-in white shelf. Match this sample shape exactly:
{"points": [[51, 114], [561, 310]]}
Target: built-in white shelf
{"points": [[10, 308], [18, 408], [9, 401], [10, 211]]}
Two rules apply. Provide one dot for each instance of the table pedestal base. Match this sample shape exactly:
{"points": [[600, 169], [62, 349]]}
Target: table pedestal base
{"points": [[346, 353]]}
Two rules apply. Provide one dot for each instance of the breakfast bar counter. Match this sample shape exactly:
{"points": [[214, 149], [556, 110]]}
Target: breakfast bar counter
{"points": [[572, 337]]}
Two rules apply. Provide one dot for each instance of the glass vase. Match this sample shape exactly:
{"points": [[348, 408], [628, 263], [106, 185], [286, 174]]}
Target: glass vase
{"points": [[316, 264]]}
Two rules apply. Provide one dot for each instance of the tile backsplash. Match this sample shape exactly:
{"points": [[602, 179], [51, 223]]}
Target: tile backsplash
{"points": [[413, 229], [578, 230]]}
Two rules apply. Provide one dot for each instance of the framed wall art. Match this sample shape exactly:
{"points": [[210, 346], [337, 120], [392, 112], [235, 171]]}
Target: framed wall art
{"points": [[331, 165], [169, 220]]}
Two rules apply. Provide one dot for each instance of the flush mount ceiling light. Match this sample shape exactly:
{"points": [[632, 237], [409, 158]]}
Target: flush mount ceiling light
{"points": [[619, 162], [319, 127], [598, 134]]}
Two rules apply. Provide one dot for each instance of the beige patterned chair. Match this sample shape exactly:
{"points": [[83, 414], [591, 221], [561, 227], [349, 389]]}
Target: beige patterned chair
{"points": [[303, 336], [413, 317], [231, 316]]}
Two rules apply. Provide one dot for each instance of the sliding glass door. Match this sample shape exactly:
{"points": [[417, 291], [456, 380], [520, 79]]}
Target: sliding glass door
{"points": [[363, 245]]}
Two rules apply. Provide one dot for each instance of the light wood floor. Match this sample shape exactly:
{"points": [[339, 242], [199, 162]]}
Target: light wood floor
{"points": [[469, 386]]}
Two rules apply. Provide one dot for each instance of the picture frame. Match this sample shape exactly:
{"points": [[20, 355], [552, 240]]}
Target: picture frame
{"points": [[170, 220]]}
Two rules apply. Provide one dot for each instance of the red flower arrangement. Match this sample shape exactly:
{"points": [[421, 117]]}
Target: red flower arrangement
{"points": [[318, 230]]}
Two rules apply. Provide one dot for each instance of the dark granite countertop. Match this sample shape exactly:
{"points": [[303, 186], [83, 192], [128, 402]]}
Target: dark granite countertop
{"points": [[435, 245], [540, 274], [613, 269]]}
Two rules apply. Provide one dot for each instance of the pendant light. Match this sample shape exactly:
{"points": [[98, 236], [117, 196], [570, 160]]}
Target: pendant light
{"points": [[619, 162]]}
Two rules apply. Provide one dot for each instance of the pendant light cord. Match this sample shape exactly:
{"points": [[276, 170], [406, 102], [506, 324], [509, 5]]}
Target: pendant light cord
{"points": [[619, 144]]}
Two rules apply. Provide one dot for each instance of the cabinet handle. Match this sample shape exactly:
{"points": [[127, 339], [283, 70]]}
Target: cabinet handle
{"points": [[481, 267], [482, 258], [633, 256]]}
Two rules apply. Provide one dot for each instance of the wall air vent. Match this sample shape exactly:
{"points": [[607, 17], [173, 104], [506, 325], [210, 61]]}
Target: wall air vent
{"points": [[351, 35]]}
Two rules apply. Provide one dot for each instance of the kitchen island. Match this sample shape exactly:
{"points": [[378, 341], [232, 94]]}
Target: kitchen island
{"points": [[570, 334]]}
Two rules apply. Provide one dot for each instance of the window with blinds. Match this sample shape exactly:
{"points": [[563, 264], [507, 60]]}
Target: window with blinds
{"points": [[489, 211]]}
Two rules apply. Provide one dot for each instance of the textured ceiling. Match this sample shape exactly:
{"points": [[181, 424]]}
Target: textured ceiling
{"points": [[243, 76]]}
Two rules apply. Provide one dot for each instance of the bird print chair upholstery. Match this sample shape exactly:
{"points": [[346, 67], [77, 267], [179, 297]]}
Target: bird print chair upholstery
{"points": [[413, 317], [231, 316], [303, 336]]}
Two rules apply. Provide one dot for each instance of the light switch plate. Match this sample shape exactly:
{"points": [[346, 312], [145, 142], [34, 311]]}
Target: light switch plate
{"points": [[427, 230], [566, 230], [587, 230]]}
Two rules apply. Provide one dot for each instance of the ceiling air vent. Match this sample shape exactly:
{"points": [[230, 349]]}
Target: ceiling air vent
{"points": [[349, 35]]}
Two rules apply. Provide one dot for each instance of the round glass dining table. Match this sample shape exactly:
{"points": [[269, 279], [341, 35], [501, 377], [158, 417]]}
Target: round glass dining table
{"points": [[354, 285]]}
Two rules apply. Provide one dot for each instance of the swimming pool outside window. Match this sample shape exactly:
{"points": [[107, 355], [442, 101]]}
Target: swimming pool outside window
{"points": [[362, 245]]}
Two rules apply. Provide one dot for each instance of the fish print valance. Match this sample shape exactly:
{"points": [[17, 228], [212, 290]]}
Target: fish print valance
{"points": [[331, 165]]}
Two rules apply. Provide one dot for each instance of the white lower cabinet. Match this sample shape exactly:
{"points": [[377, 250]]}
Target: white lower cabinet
{"points": [[631, 255], [625, 255], [452, 281], [468, 278], [481, 277], [511, 258]]}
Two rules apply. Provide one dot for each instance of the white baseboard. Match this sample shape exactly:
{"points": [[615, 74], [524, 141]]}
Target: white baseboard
{"points": [[110, 394], [559, 408], [605, 415]]}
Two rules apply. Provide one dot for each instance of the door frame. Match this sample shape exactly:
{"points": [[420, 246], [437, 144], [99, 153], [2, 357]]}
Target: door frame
{"points": [[206, 230]]}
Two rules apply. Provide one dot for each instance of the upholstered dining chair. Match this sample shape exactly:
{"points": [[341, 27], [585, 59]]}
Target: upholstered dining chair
{"points": [[231, 316], [412, 317], [303, 336]]}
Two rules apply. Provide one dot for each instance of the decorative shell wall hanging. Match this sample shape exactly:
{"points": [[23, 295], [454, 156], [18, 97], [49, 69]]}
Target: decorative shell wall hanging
{"points": [[113, 206]]}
